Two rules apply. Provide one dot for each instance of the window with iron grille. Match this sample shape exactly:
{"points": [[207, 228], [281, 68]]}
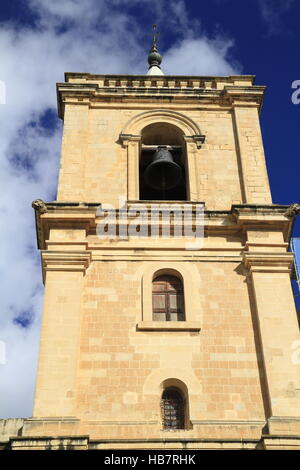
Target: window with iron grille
{"points": [[172, 405], [168, 299]]}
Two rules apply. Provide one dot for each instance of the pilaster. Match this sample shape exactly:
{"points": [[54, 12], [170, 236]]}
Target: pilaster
{"points": [[57, 368], [250, 153], [275, 315], [132, 144]]}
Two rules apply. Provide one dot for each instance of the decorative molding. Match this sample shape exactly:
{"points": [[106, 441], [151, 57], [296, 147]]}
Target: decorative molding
{"points": [[293, 210], [268, 262], [217, 422], [89, 89], [65, 261], [138, 122], [121, 423], [168, 326], [39, 206], [292, 419], [243, 211], [126, 138], [236, 221], [198, 139], [281, 442], [244, 95], [45, 442], [284, 425], [263, 217], [263, 245], [69, 76], [55, 419]]}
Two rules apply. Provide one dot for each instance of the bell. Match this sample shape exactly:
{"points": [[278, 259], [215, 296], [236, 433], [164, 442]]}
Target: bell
{"points": [[163, 173]]}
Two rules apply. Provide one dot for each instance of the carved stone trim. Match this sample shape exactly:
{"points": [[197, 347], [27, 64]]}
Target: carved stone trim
{"points": [[138, 122], [263, 245], [198, 139], [168, 326], [239, 95], [46, 443], [39, 205], [268, 262], [293, 210], [280, 442], [65, 261], [284, 425], [126, 138]]}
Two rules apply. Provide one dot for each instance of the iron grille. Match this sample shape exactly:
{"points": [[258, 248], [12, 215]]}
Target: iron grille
{"points": [[172, 409]]}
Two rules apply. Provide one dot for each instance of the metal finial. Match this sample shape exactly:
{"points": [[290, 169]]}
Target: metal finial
{"points": [[154, 58], [155, 35]]}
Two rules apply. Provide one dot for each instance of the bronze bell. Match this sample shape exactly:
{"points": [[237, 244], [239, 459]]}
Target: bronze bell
{"points": [[163, 173]]}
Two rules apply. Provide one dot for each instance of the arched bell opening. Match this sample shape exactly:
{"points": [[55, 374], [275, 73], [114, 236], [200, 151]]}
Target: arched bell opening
{"points": [[162, 166]]}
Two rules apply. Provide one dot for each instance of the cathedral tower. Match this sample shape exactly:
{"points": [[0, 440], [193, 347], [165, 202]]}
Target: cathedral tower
{"points": [[151, 339]]}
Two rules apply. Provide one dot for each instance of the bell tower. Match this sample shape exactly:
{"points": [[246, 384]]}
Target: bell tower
{"points": [[147, 341]]}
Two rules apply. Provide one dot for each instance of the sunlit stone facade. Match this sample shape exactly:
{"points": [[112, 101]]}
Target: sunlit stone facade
{"points": [[105, 362]]}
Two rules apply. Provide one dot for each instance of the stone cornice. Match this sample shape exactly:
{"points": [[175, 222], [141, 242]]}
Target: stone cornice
{"points": [[220, 90], [266, 262], [71, 76], [261, 245], [90, 95], [242, 96], [245, 210], [67, 215], [263, 217], [65, 261]]}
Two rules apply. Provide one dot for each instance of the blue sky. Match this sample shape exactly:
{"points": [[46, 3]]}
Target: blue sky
{"points": [[40, 40]]}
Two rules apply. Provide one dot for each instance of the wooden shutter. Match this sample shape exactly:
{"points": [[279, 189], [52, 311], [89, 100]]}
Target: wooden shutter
{"points": [[168, 299]]}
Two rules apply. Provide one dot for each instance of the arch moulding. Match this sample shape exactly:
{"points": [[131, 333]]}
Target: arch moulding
{"points": [[130, 137], [191, 131]]}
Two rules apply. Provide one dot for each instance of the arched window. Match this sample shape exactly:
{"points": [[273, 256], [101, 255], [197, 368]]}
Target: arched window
{"points": [[168, 298], [162, 168], [173, 409]]}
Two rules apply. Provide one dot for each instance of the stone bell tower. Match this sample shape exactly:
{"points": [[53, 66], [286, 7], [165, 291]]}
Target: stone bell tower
{"points": [[147, 341]]}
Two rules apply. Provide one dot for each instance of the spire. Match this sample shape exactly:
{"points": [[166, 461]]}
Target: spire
{"points": [[154, 57]]}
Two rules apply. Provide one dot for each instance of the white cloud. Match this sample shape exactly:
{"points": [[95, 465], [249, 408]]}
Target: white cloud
{"points": [[95, 36], [199, 56], [272, 12]]}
